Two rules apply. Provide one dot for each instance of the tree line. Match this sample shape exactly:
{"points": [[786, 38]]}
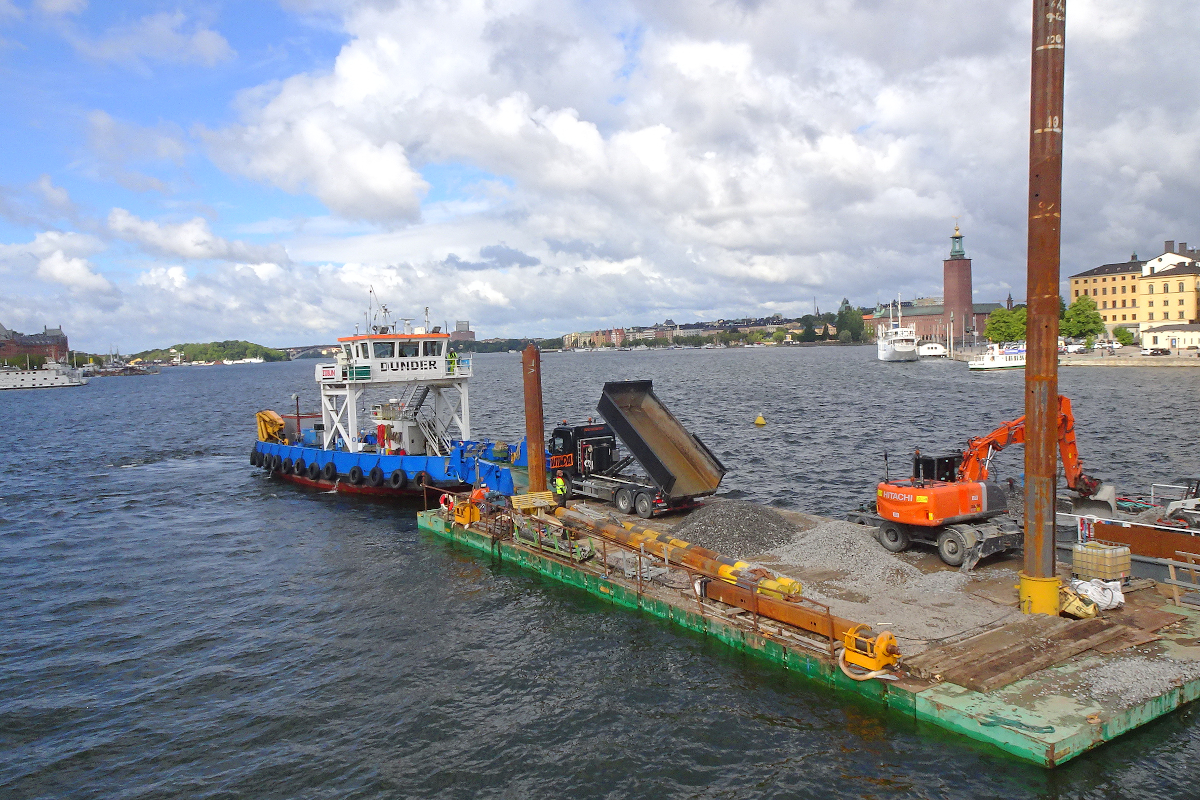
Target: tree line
{"points": [[1080, 320]]}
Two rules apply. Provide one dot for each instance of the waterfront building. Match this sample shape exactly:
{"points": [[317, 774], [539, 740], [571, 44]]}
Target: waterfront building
{"points": [[931, 317], [1174, 336], [1170, 287], [51, 343], [462, 331], [1137, 294], [1114, 288]]}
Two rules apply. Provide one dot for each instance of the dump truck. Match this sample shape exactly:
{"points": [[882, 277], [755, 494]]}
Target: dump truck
{"points": [[676, 467]]}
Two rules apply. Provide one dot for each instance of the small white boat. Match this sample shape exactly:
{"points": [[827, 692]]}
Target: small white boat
{"points": [[931, 350], [1000, 357], [894, 341]]}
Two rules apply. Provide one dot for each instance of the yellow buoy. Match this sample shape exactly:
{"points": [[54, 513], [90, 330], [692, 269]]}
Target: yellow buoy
{"points": [[760, 420]]}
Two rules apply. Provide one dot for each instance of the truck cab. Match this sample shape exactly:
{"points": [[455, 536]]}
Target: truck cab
{"points": [[582, 450]]}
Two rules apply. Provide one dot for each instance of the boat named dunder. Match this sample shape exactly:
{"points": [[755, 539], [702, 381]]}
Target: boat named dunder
{"points": [[418, 438]]}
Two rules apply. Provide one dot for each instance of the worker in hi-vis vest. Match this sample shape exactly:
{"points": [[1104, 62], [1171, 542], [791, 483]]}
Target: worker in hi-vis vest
{"points": [[560, 489]]}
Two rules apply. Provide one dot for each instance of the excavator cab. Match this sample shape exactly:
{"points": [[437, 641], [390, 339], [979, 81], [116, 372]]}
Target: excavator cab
{"points": [[936, 468]]}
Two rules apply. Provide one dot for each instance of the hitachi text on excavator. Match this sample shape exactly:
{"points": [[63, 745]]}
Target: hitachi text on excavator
{"points": [[949, 502]]}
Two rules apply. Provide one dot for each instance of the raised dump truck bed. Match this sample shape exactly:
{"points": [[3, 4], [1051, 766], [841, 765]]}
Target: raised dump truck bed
{"points": [[675, 460]]}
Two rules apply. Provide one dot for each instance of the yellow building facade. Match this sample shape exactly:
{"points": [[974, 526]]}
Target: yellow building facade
{"points": [[1140, 294]]}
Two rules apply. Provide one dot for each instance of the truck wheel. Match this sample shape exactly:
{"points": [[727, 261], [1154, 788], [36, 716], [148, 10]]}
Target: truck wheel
{"points": [[624, 501], [952, 547], [645, 507], [893, 538]]}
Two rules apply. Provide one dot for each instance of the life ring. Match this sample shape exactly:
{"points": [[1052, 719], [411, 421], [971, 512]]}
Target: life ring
{"points": [[375, 476], [314, 471], [298, 467], [287, 465], [355, 475], [446, 501], [398, 479], [329, 471], [422, 479]]}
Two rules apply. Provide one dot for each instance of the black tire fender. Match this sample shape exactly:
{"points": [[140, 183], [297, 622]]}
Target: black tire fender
{"points": [[298, 467], [422, 479], [375, 476], [286, 466], [329, 471], [254, 457], [355, 475], [398, 479], [314, 471]]}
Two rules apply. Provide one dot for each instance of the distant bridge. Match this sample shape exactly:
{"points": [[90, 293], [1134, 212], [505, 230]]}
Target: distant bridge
{"points": [[311, 351]]}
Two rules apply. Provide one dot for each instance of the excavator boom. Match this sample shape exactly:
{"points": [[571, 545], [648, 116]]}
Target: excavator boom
{"points": [[974, 466]]}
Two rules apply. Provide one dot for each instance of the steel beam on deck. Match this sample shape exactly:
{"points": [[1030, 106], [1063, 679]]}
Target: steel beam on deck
{"points": [[1039, 587]]}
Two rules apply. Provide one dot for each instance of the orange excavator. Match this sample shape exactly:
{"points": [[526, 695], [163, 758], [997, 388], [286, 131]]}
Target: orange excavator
{"points": [[949, 501]]}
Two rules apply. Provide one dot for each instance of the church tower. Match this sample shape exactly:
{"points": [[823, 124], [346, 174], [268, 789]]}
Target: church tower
{"points": [[956, 287]]}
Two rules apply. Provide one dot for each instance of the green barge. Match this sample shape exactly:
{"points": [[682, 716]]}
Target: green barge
{"points": [[1043, 717]]}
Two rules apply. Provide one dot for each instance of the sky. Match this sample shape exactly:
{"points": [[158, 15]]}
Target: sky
{"points": [[176, 172]]}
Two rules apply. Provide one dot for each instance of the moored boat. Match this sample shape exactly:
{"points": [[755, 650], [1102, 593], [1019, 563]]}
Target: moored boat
{"points": [[1007, 356], [894, 341], [410, 443], [52, 374]]}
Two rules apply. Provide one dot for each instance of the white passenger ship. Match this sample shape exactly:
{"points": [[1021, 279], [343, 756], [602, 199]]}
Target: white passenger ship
{"points": [[896, 342], [52, 374]]}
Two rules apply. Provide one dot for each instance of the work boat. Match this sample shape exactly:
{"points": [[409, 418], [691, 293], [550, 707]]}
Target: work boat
{"points": [[997, 356], [419, 438], [896, 342]]}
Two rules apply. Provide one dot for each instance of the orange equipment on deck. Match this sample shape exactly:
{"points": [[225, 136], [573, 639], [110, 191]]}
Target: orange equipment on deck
{"points": [[943, 493]]}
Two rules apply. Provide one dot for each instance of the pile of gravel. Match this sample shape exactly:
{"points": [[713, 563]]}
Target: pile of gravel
{"points": [[841, 565], [847, 548], [1138, 679], [735, 528]]}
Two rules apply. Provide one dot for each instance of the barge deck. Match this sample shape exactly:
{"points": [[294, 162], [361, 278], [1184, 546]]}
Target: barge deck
{"points": [[1043, 689]]}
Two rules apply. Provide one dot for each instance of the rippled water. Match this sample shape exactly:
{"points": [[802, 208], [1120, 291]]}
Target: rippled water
{"points": [[173, 624]]}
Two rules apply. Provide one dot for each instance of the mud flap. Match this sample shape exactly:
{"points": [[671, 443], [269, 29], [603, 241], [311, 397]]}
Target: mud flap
{"points": [[990, 545]]}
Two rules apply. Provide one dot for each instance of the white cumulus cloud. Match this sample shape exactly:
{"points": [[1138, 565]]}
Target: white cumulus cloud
{"points": [[166, 36], [191, 239], [74, 273]]}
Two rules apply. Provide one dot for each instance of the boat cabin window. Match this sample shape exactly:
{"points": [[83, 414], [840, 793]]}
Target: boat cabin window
{"points": [[363, 350], [408, 349], [348, 350], [385, 349], [432, 348]]}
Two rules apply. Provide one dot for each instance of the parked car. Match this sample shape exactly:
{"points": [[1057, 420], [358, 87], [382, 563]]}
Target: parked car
{"points": [[1076, 348], [1155, 351]]}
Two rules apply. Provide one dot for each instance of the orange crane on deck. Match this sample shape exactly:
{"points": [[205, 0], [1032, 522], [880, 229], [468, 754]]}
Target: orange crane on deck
{"points": [[949, 501]]}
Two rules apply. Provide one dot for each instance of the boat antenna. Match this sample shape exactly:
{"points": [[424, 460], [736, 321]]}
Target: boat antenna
{"points": [[427, 319]]}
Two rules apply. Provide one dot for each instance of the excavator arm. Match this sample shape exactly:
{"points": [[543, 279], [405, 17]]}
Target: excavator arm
{"points": [[974, 466]]}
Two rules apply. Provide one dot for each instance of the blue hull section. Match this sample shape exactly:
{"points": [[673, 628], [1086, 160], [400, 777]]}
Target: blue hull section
{"points": [[466, 462]]}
